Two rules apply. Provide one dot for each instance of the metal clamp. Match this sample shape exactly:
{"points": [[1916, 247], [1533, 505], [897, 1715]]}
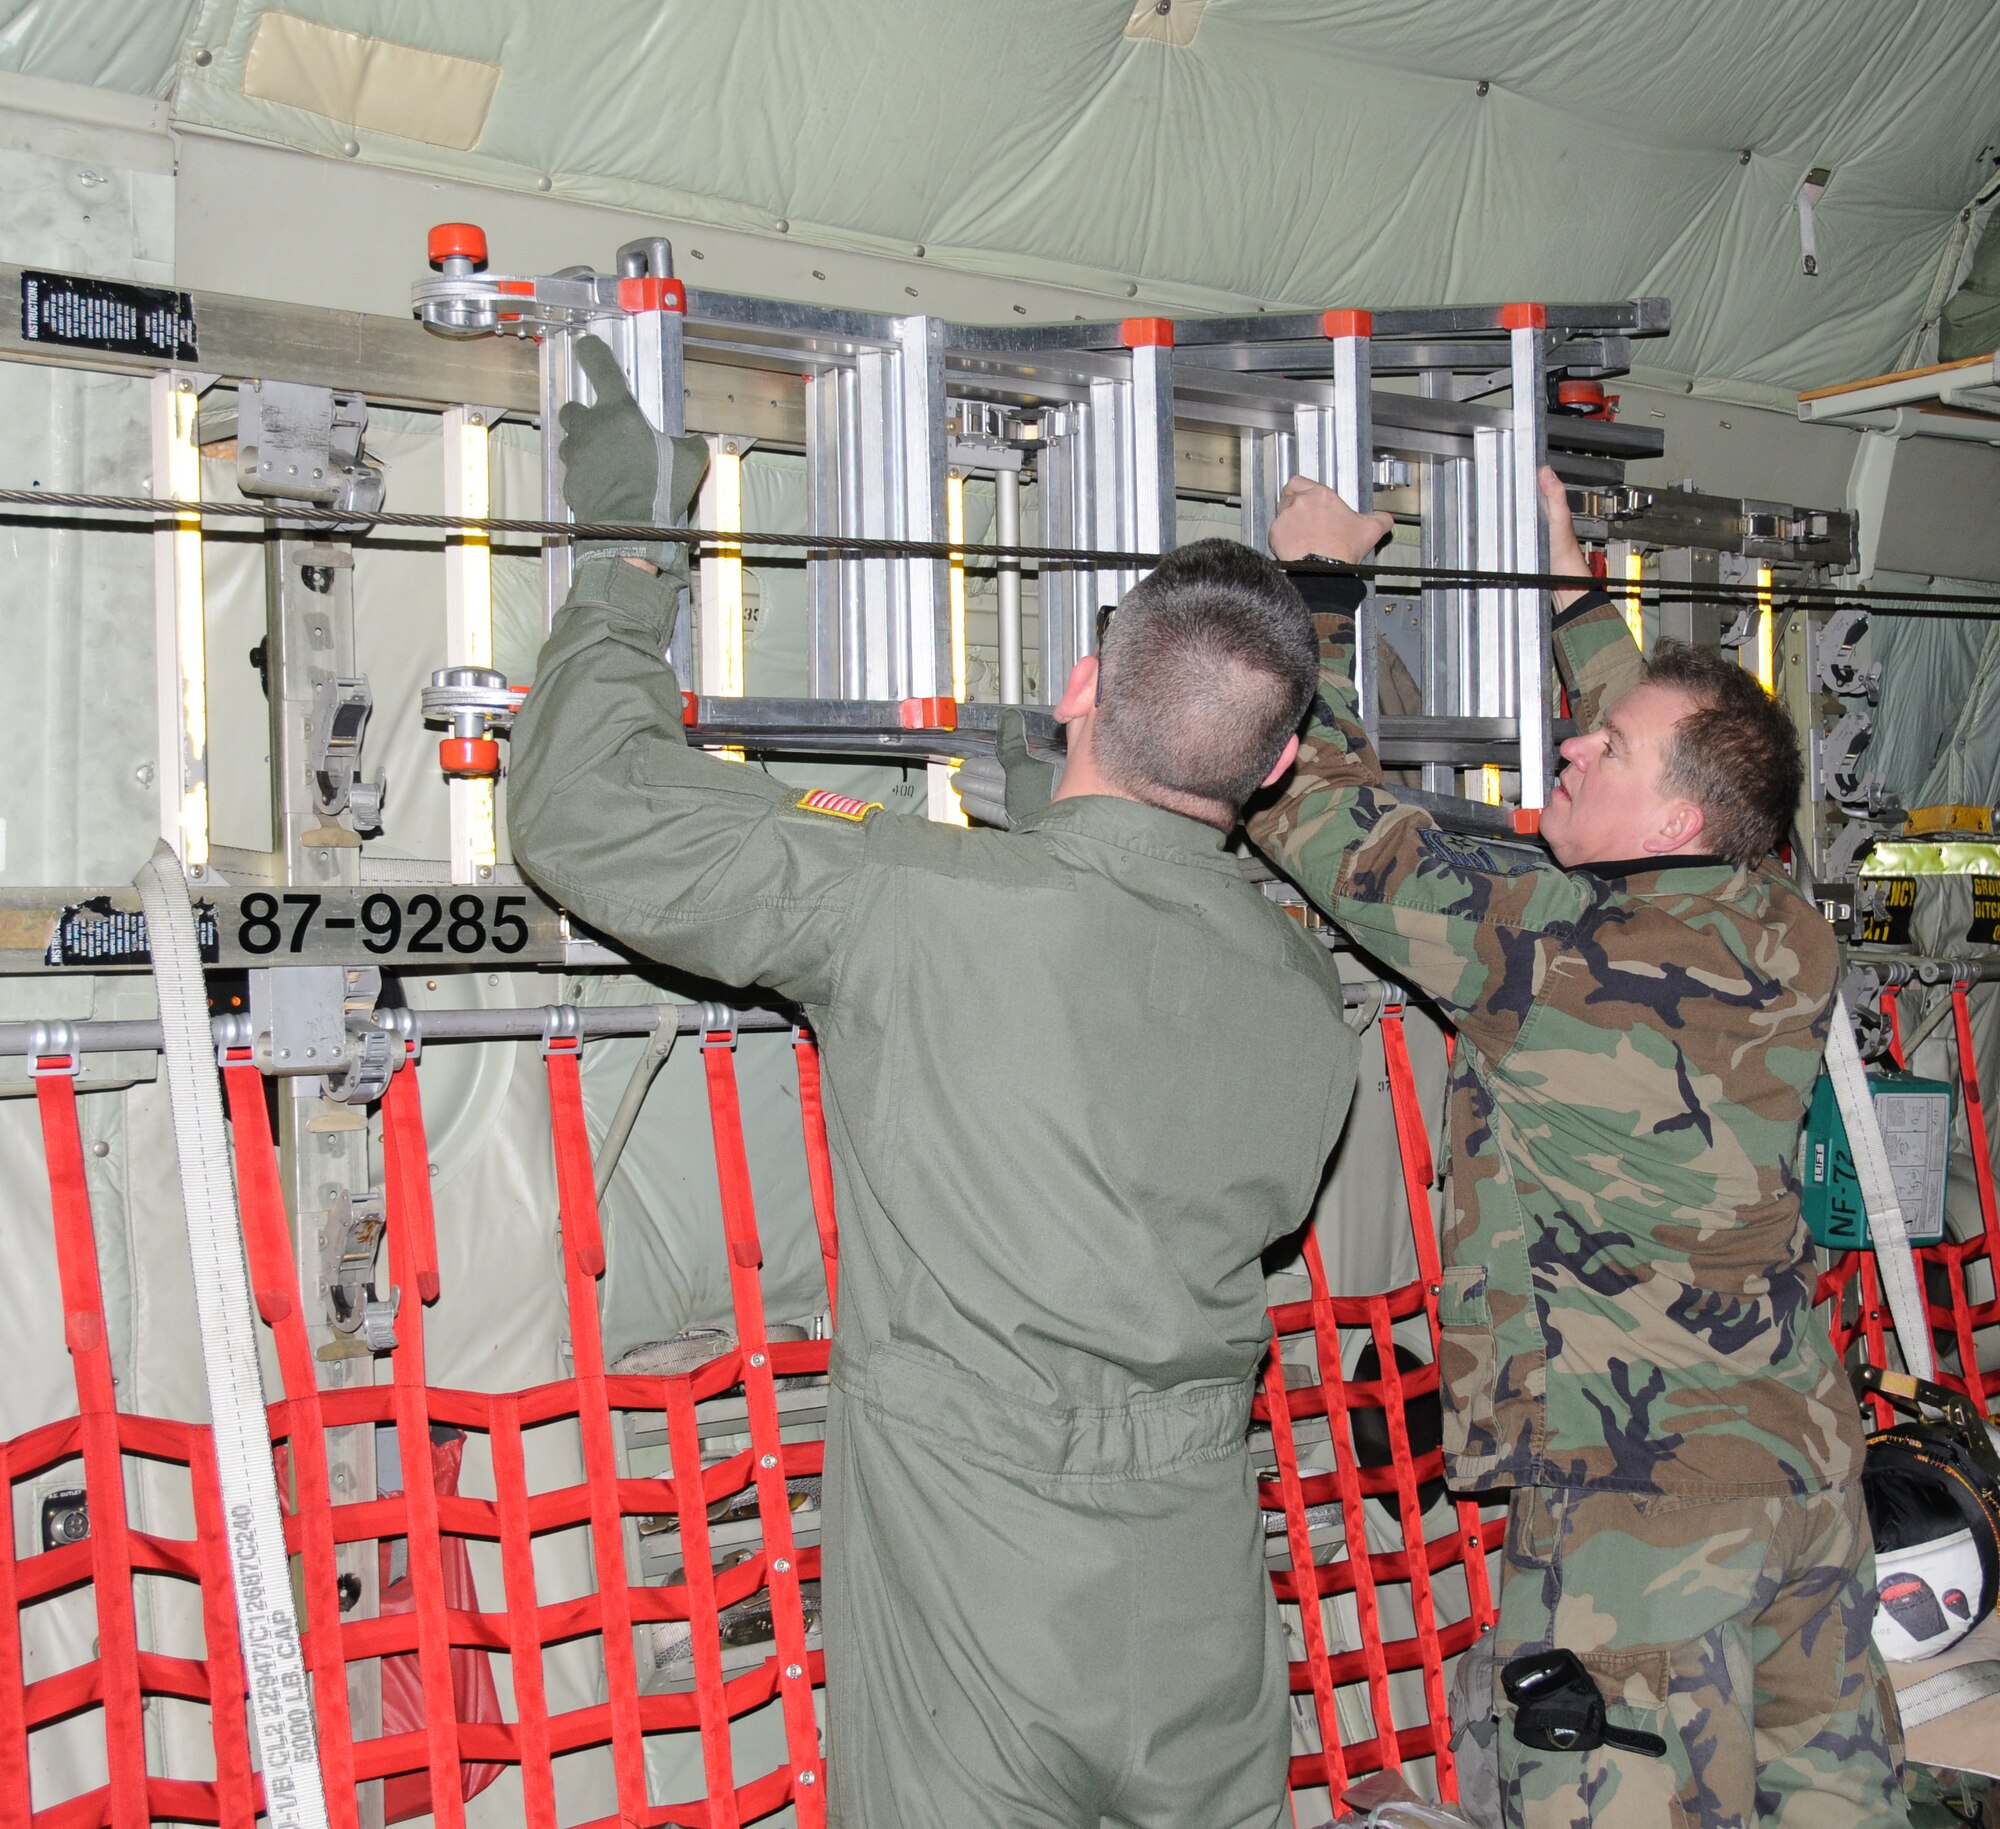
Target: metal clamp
{"points": [[719, 1025], [54, 1050], [562, 1029], [406, 1025], [340, 712]]}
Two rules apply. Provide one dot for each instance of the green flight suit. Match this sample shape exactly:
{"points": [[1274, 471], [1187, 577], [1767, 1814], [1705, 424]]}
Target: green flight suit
{"points": [[1629, 1342], [1078, 1077]]}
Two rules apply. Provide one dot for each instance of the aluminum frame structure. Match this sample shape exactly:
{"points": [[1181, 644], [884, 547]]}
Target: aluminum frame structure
{"points": [[1099, 412]]}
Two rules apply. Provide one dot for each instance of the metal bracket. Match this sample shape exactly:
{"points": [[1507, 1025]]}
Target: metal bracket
{"points": [[340, 712], [1842, 766], [303, 444], [1833, 656], [719, 1024], [354, 1226], [373, 1050]]}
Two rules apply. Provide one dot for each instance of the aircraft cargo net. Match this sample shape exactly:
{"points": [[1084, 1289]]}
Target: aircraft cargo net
{"points": [[703, 1615]]}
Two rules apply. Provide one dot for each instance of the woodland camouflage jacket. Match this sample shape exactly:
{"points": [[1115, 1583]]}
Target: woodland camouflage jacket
{"points": [[1627, 1296]]}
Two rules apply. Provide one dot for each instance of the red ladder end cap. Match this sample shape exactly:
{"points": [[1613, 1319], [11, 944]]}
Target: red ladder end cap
{"points": [[464, 239], [1524, 317], [690, 709], [469, 757], [928, 714], [645, 294], [1147, 333], [1347, 324], [1527, 821]]}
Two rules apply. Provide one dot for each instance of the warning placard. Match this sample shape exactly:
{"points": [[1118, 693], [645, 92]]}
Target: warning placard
{"points": [[108, 314], [1882, 909], [1985, 928]]}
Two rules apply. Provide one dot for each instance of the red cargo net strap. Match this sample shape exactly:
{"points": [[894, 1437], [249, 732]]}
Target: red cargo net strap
{"points": [[413, 1273], [819, 1161], [110, 1539], [583, 1264], [739, 1220]]}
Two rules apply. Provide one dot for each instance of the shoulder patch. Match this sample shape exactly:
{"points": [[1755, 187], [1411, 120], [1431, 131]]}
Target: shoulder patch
{"points": [[1457, 852], [836, 806]]}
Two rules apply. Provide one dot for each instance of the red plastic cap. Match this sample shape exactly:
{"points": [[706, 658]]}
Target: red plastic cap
{"points": [[652, 295], [929, 714], [1147, 333], [469, 756], [1347, 324], [466, 240], [1527, 821], [1524, 317], [690, 710]]}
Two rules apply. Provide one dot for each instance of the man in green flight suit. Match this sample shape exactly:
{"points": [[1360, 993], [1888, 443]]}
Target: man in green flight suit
{"points": [[1078, 1077], [1629, 1340]]}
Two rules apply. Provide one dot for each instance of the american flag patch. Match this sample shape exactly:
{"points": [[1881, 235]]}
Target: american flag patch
{"points": [[837, 806]]}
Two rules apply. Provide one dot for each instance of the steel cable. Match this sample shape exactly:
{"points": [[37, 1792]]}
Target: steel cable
{"points": [[1978, 606]]}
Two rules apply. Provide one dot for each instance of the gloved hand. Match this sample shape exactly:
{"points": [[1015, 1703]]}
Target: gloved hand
{"points": [[1013, 783], [616, 468]]}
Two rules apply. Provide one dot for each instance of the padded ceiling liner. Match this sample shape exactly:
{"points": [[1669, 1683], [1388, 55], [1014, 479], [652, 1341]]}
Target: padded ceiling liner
{"points": [[1296, 152]]}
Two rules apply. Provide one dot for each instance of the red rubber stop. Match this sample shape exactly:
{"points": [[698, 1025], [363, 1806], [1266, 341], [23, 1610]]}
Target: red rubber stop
{"points": [[465, 239], [469, 756]]}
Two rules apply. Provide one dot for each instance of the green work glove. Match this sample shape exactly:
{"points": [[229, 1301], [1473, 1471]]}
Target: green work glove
{"points": [[1012, 784], [617, 469]]}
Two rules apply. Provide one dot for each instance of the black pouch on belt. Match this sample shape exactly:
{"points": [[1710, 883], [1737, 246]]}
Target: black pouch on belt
{"points": [[1559, 1708]]}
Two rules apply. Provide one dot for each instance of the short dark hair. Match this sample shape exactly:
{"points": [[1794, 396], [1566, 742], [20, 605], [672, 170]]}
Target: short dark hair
{"points": [[1736, 755], [1206, 670]]}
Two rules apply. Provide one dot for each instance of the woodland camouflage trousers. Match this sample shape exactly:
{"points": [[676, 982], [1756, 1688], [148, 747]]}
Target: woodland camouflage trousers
{"points": [[1737, 1629]]}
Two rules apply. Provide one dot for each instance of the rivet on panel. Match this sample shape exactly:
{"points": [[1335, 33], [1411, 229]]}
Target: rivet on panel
{"points": [[543, 183], [350, 149], [202, 59]]}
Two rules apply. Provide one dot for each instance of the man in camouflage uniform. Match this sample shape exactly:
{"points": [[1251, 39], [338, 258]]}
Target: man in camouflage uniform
{"points": [[1629, 1341], [1079, 1076]]}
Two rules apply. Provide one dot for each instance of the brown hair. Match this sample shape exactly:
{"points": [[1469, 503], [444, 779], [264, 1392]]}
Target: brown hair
{"points": [[1736, 755]]}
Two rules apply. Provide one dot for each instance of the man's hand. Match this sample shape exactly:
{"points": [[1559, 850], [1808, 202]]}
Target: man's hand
{"points": [[617, 469], [1566, 558], [1312, 522], [1013, 783]]}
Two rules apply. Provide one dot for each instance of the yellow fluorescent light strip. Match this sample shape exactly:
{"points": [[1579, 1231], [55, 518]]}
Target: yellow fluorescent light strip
{"points": [[469, 615], [1635, 572], [954, 511], [728, 620], [184, 485], [1765, 662], [474, 555]]}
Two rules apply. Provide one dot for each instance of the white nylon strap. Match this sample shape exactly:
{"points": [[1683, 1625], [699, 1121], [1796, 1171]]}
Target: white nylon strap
{"points": [[1948, 1692], [280, 1704], [1886, 1230]]}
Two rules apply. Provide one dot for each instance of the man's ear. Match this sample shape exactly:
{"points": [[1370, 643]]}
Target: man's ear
{"points": [[1680, 828], [1286, 757], [1080, 695]]}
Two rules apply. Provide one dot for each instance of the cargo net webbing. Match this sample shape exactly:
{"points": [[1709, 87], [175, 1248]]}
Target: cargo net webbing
{"points": [[1350, 1496], [1956, 1278], [101, 1454], [438, 1628], [1387, 1574]]}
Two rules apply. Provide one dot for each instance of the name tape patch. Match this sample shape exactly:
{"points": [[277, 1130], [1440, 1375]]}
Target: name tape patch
{"points": [[836, 806], [1457, 852]]}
